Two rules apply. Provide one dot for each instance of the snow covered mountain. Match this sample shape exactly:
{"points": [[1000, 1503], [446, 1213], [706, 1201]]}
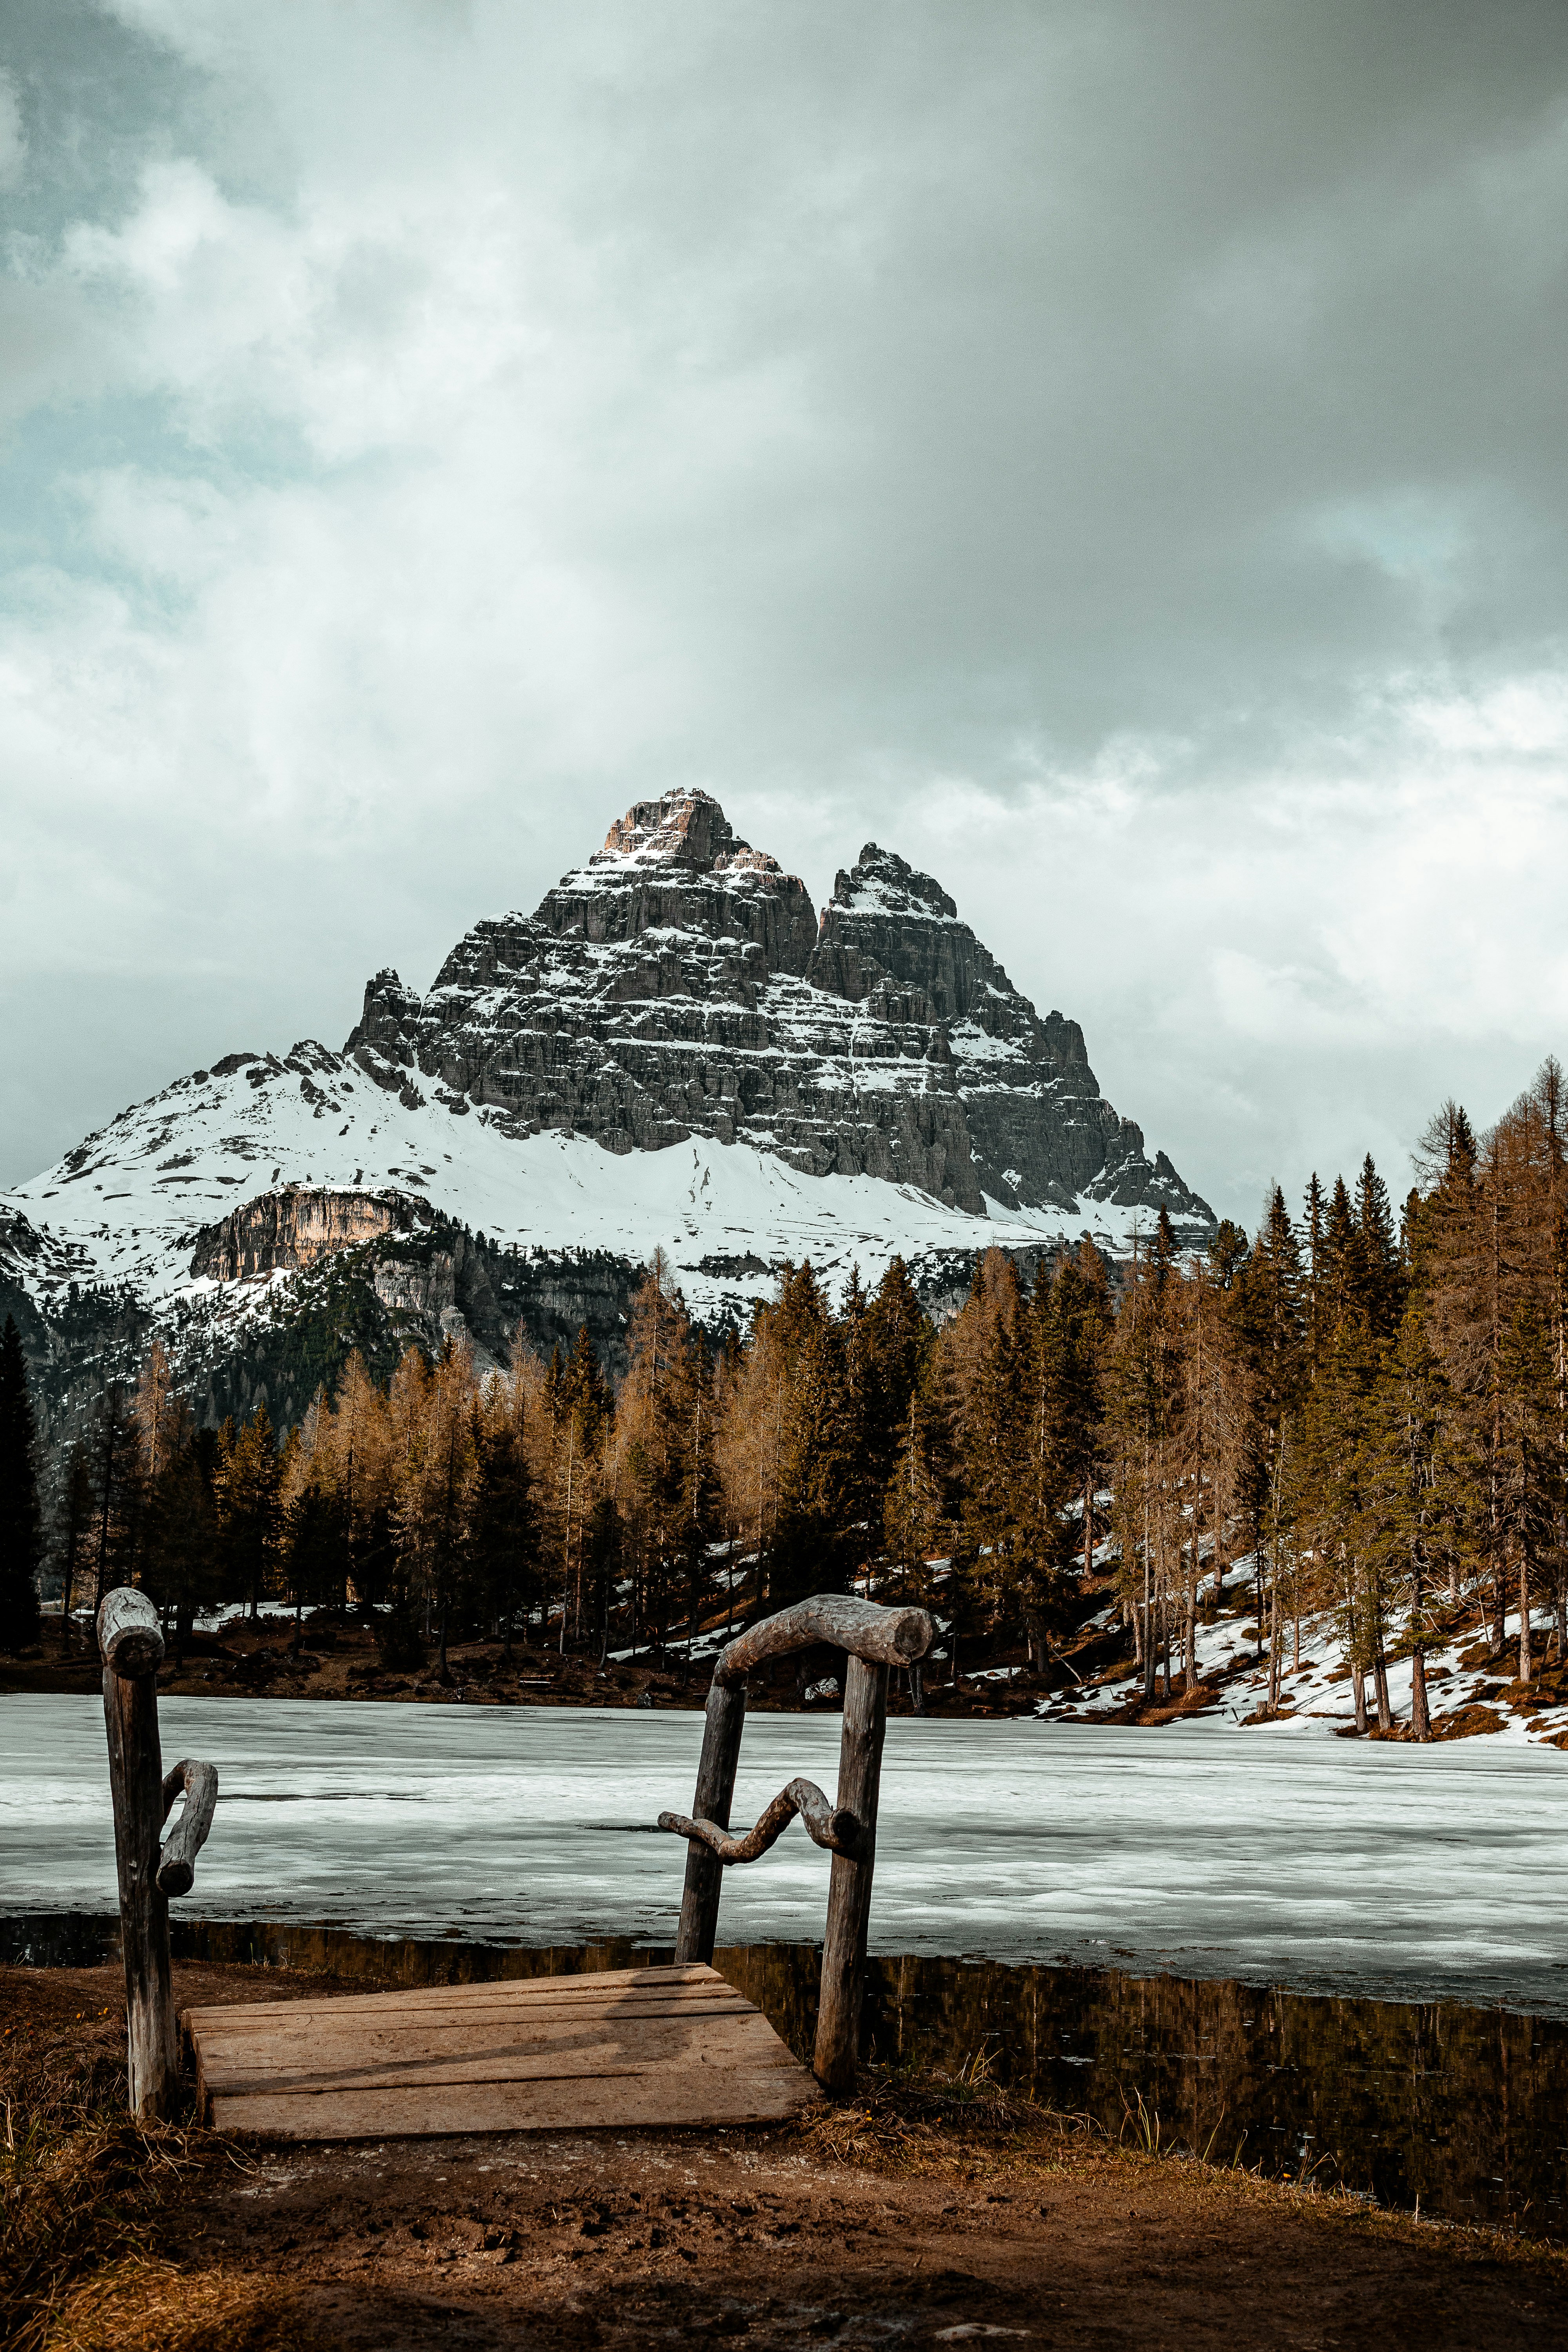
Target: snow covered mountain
{"points": [[672, 1051], [681, 984]]}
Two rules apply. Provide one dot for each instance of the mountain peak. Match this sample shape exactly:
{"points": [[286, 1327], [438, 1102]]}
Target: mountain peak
{"points": [[686, 827], [883, 882]]}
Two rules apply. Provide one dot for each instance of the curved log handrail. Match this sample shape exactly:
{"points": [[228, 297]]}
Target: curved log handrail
{"points": [[883, 1637], [130, 1637], [177, 1858], [878, 1640], [826, 1825]]}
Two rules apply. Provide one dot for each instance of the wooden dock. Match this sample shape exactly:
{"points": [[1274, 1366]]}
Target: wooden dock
{"points": [[628, 2048]]}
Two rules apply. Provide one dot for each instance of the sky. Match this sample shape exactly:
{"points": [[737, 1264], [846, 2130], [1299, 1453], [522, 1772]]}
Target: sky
{"points": [[1112, 452]]}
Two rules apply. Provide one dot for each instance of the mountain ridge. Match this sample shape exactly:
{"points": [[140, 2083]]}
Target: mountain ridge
{"points": [[674, 1050], [682, 983]]}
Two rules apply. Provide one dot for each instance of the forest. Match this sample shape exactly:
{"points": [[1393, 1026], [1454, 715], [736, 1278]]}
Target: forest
{"points": [[1366, 1410]]}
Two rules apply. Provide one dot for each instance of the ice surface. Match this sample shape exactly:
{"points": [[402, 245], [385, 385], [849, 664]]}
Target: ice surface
{"points": [[1397, 1872]]}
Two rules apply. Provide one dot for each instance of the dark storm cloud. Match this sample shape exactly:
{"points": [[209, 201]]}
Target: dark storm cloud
{"points": [[1114, 453]]}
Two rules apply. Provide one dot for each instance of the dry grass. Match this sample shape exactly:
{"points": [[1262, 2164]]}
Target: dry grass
{"points": [[82, 2190], [141, 2305], [968, 2127], [907, 2122], [73, 2202]]}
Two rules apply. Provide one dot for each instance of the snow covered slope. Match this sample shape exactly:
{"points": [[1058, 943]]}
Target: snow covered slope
{"points": [[130, 1205]]}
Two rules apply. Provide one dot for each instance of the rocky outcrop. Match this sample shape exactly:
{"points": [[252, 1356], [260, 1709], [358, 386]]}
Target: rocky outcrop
{"points": [[282, 1233], [1040, 1130], [681, 983]]}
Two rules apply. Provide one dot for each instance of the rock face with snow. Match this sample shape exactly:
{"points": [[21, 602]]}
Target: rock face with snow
{"points": [[671, 1052], [681, 984], [286, 1232]]}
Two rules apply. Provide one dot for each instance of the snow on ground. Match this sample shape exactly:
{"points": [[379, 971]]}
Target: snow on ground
{"points": [[1318, 1693], [127, 1205]]}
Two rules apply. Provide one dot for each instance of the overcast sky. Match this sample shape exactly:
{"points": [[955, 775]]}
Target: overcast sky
{"points": [[1112, 454]]}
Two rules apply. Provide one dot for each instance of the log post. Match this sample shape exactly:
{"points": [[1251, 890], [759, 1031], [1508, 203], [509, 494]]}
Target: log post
{"points": [[849, 1888], [875, 1639], [133, 1648], [726, 1719]]}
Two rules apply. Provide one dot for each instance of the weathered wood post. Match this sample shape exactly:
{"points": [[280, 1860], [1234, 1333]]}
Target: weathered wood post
{"points": [[875, 1639], [132, 1650], [849, 1887], [725, 1722]]}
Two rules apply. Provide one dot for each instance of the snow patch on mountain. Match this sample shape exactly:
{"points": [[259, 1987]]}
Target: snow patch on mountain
{"points": [[129, 1204]]}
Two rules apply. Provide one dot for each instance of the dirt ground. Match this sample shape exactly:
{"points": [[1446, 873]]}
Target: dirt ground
{"points": [[854, 2230]]}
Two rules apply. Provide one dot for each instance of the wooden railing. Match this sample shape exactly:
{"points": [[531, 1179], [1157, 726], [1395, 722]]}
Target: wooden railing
{"points": [[151, 1867], [875, 1639]]}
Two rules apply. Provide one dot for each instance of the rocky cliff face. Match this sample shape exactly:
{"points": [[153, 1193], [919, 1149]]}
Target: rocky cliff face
{"points": [[681, 984], [282, 1233]]}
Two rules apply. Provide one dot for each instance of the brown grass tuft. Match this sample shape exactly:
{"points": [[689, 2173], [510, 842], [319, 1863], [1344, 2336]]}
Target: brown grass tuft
{"points": [[905, 2122], [140, 2305]]}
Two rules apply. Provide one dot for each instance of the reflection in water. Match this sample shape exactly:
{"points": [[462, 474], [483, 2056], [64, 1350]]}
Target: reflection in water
{"points": [[1461, 2107]]}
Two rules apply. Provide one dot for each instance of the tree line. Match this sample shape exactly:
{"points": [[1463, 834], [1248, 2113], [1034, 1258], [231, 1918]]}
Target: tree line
{"points": [[1370, 1412]]}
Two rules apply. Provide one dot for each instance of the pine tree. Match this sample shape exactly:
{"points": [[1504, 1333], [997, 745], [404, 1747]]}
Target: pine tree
{"points": [[249, 1484], [21, 1523], [187, 1572], [918, 1505], [117, 1494], [503, 1526], [74, 1534], [1529, 1496], [814, 1531], [1405, 1495], [1381, 1266], [897, 1340]]}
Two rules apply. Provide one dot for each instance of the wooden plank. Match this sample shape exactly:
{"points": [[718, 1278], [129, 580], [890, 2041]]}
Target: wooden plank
{"points": [[593, 1989], [481, 2059], [613, 2102], [523, 2022], [333, 2036], [630, 2046], [346, 2042], [299, 2016]]}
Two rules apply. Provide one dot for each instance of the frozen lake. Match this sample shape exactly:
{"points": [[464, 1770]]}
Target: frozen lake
{"points": [[1323, 1865]]}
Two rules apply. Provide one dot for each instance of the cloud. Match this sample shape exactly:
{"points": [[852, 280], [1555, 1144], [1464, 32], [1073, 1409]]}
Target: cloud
{"points": [[1112, 456], [13, 136]]}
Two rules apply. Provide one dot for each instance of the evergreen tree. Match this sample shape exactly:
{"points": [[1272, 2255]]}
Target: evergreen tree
{"points": [[1381, 1266], [117, 1494], [813, 1544], [314, 1542], [187, 1570], [604, 1550], [1409, 1495], [920, 1502], [503, 1526], [248, 1487], [74, 1534], [21, 1522], [897, 1341]]}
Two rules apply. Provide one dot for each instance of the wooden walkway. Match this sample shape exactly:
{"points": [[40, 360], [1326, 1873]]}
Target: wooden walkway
{"points": [[628, 2048]]}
